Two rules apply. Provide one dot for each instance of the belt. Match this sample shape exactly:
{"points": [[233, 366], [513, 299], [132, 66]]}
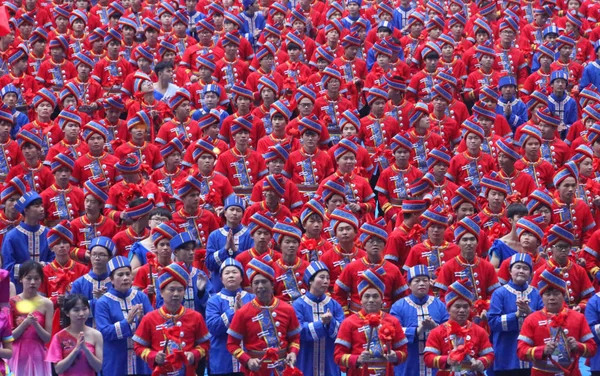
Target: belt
{"points": [[243, 191], [282, 353], [308, 188], [396, 202]]}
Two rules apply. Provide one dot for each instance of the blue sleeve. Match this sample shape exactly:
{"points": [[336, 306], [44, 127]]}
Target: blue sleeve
{"points": [[521, 112], [535, 62], [146, 305], [111, 330], [592, 315], [497, 318], [215, 255], [409, 327], [370, 59], [397, 20], [338, 316], [585, 77], [570, 113], [311, 331], [159, 299], [8, 256], [217, 321]]}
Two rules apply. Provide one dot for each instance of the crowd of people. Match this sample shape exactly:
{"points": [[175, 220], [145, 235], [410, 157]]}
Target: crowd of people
{"points": [[308, 187]]}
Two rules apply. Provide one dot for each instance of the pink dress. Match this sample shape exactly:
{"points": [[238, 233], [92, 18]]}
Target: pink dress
{"points": [[61, 346], [29, 352]]}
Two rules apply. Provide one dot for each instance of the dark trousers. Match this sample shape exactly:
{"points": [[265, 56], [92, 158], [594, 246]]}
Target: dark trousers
{"points": [[514, 372], [595, 373]]}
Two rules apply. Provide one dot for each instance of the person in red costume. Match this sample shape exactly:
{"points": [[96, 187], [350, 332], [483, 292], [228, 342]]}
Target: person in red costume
{"points": [[273, 192], [37, 176], [185, 328], [407, 234], [344, 226], [261, 230], [148, 153], [531, 163], [435, 251], [371, 341], [275, 321], [313, 243], [373, 238], [92, 223], [171, 175], [442, 349], [60, 273], [290, 268], [138, 213], [10, 194], [480, 273], [98, 163], [554, 337], [62, 200]]}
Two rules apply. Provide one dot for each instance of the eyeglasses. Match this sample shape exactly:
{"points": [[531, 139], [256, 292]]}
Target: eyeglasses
{"points": [[98, 255], [562, 247], [305, 105], [159, 219]]}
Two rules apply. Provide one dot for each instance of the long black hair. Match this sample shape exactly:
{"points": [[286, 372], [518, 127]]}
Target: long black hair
{"points": [[69, 303]]}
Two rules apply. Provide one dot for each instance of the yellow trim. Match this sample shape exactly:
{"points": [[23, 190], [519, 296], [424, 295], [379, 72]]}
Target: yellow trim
{"points": [[345, 360], [238, 353], [145, 354]]}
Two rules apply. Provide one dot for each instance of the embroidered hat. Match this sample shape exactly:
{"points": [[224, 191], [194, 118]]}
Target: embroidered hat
{"points": [[414, 206], [66, 159], [181, 239], [373, 229], [230, 262], [339, 216], [438, 155], [257, 221], [276, 152], [282, 229], [274, 183], [370, 279], [345, 146], [312, 270], [129, 165], [117, 262], [460, 290], [568, 169], [493, 181], [97, 188], [417, 271], [537, 199], [234, 200], [466, 226], [162, 231], [60, 232], [551, 279], [464, 194], [140, 210], [531, 225], [521, 257], [311, 207], [173, 272], [436, 215], [104, 242], [260, 267], [15, 186], [560, 231]]}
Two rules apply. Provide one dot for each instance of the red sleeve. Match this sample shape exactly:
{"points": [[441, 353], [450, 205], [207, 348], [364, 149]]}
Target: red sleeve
{"points": [[234, 344], [526, 350], [342, 354], [144, 332], [434, 346]]}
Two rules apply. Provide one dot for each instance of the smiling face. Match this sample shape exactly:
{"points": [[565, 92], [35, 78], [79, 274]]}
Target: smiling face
{"points": [[520, 273]]}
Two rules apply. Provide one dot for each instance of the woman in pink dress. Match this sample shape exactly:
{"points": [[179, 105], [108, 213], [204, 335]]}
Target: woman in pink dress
{"points": [[31, 324], [77, 349]]}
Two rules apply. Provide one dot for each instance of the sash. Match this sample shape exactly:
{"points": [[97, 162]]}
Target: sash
{"points": [[290, 283], [241, 173]]}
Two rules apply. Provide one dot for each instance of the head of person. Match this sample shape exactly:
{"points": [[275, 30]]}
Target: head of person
{"points": [[345, 225], [31, 207], [262, 279], [172, 283], [566, 180], [232, 274], [75, 310], [119, 270], [466, 235], [317, 278], [101, 250], [553, 290], [520, 268], [560, 238], [459, 301], [312, 218], [435, 220], [419, 281], [184, 246], [233, 210], [31, 274], [370, 290], [529, 232], [373, 236]]}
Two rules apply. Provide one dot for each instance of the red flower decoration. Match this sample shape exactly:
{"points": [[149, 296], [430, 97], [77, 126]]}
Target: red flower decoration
{"points": [[293, 132], [457, 330], [497, 231], [461, 351], [373, 319], [271, 355], [387, 333], [292, 371], [480, 305], [310, 244], [593, 188], [416, 232], [383, 152], [514, 198], [133, 191], [559, 321], [62, 282]]}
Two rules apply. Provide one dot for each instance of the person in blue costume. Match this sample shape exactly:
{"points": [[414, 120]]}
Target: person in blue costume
{"points": [[199, 286], [12, 97], [118, 313], [509, 105], [138, 251], [97, 282], [509, 306], [228, 241], [320, 317], [220, 310], [508, 245], [592, 315], [591, 75], [27, 241], [418, 313]]}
